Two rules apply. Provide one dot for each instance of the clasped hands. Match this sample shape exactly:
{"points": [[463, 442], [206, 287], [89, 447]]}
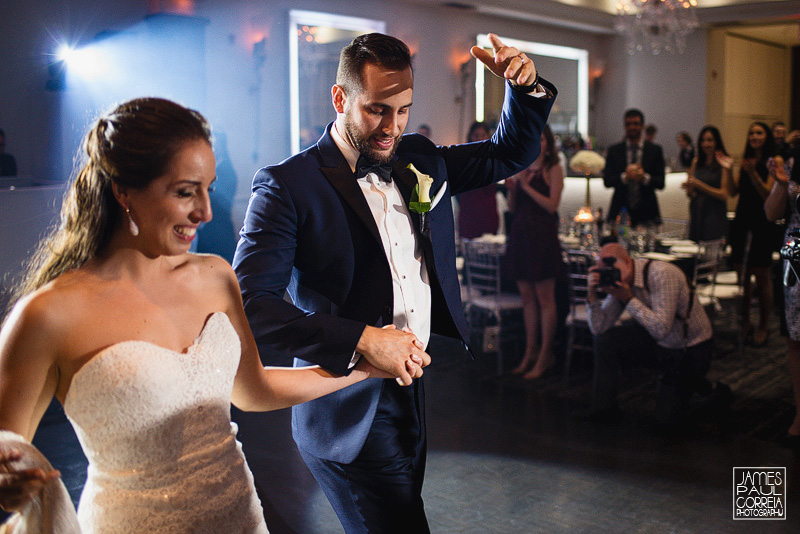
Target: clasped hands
{"points": [[634, 172], [392, 353]]}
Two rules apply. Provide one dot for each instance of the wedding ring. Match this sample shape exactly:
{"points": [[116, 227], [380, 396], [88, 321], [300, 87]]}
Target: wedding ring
{"points": [[522, 60]]}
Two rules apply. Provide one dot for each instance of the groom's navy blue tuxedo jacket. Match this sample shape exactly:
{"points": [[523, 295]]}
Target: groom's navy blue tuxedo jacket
{"points": [[309, 230]]}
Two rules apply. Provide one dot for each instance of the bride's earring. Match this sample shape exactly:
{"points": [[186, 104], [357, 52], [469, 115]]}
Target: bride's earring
{"points": [[132, 225]]}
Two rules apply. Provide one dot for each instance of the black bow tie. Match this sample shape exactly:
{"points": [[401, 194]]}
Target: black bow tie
{"points": [[364, 167]]}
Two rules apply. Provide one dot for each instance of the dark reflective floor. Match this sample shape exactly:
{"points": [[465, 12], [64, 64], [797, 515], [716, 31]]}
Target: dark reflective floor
{"points": [[506, 457]]}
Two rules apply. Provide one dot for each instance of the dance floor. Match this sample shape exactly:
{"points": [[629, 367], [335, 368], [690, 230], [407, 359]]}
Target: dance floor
{"points": [[505, 456]]}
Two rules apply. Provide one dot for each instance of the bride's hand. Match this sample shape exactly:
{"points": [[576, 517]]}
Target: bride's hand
{"points": [[18, 487], [413, 367]]}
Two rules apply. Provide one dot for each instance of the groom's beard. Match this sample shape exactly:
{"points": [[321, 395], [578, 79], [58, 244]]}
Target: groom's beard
{"points": [[361, 143]]}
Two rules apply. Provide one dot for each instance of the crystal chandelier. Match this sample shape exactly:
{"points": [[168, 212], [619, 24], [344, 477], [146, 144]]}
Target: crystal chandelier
{"points": [[656, 25]]}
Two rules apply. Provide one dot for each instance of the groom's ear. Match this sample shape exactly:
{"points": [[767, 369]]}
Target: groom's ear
{"points": [[339, 98]]}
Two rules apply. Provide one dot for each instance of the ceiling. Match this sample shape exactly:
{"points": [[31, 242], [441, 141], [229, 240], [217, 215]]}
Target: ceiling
{"points": [[773, 21]]}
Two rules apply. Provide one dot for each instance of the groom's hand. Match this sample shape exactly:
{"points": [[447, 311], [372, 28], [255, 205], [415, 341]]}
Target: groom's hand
{"points": [[396, 352], [507, 62]]}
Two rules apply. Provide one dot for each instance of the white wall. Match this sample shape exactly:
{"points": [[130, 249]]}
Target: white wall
{"points": [[669, 89], [438, 47]]}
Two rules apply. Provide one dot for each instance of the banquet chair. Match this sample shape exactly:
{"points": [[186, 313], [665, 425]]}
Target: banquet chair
{"points": [[579, 337], [723, 298], [484, 294], [707, 262]]}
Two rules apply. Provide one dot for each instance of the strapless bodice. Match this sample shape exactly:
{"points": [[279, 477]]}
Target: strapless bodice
{"points": [[155, 426]]}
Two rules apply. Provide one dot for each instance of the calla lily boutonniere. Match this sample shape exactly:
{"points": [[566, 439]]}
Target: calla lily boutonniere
{"points": [[421, 197], [420, 201]]}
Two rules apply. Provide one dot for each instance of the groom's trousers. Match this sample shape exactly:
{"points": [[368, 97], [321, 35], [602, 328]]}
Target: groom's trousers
{"points": [[380, 492]]}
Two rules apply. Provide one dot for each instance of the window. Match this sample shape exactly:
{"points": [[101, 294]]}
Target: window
{"points": [[315, 41], [567, 68]]}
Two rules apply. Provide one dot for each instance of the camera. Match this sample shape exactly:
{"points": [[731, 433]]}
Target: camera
{"points": [[610, 275], [790, 251]]}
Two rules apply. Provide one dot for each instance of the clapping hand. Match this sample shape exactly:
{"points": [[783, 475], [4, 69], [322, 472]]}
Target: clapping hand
{"points": [[749, 165], [725, 161], [18, 487], [689, 185], [507, 62], [777, 170]]}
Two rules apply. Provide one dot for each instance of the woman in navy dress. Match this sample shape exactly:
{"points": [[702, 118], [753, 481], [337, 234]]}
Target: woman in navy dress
{"points": [[533, 255], [753, 186], [707, 186]]}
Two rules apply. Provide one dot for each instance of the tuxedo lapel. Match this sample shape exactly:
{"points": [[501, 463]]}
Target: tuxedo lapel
{"points": [[404, 179], [343, 180]]}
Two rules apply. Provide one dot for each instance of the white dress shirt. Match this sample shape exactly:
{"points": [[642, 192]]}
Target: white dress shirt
{"points": [[410, 283]]}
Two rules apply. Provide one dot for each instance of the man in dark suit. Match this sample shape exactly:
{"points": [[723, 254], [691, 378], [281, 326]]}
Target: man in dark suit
{"points": [[369, 277], [635, 169]]}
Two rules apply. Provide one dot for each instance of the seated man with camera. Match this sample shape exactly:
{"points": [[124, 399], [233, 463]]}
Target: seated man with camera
{"points": [[668, 325]]}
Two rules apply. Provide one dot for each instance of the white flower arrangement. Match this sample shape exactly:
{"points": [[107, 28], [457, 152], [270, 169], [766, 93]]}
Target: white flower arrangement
{"points": [[587, 162]]}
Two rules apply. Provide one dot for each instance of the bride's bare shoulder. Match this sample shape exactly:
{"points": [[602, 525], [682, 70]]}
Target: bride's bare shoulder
{"points": [[54, 306], [209, 267]]}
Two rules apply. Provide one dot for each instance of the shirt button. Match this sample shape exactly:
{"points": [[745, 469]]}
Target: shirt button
{"points": [[395, 244], [412, 310], [404, 277]]}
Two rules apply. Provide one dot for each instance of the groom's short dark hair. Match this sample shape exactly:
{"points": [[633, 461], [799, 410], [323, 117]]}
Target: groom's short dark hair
{"points": [[383, 50]]}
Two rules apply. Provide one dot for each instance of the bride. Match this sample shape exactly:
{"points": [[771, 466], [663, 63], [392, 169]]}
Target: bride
{"points": [[144, 343]]}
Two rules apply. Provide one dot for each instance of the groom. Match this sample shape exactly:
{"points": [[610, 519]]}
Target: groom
{"points": [[368, 276]]}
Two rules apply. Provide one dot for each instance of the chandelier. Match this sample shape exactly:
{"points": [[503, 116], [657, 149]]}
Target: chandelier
{"points": [[656, 25]]}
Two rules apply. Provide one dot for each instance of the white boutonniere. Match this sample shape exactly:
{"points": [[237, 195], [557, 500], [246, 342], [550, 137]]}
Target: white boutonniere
{"points": [[421, 196]]}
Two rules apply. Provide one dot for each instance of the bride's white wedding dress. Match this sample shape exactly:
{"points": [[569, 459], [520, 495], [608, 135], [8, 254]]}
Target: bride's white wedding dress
{"points": [[155, 426]]}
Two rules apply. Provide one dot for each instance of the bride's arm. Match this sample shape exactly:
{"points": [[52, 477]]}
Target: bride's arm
{"points": [[28, 381], [259, 388]]}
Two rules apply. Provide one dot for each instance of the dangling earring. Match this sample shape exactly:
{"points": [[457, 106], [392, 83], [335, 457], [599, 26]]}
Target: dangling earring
{"points": [[132, 225]]}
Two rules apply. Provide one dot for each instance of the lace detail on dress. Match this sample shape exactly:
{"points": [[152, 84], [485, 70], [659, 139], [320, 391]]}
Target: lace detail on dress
{"points": [[155, 426]]}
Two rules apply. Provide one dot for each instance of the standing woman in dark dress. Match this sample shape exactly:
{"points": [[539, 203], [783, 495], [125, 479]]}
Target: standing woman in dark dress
{"points": [[707, 186], [533, 255], [753, 187]]}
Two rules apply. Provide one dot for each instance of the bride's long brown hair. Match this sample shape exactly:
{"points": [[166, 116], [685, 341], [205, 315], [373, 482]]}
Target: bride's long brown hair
{"points": [[130, 146]]}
